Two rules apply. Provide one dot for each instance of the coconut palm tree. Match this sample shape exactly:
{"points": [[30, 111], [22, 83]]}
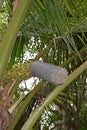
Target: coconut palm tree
{"points": [[53, 31]]}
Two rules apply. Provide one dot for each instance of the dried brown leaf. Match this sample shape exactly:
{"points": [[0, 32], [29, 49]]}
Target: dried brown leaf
{"points": [[5, 118]]}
